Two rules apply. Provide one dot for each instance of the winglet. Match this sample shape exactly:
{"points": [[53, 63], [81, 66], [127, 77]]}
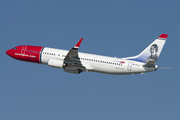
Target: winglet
{"points": [[78, 43], [163, 36]]}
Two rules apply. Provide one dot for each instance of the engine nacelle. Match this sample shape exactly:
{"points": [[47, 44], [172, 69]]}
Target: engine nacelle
{"points": [[57, 63]]}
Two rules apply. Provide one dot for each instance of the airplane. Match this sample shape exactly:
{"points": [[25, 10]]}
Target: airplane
{"points": [[73, 61]]}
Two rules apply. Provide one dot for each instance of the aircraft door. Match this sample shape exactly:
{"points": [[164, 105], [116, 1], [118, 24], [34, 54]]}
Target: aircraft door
{"points": [[129, 66], [24, 53], [23, 50]]}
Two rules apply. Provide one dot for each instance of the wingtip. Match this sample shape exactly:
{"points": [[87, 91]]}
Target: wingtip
{"points": [[164, 36], [78, 43]]}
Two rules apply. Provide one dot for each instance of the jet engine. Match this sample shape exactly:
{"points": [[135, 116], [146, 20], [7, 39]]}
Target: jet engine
{"points": [[57, 63]]}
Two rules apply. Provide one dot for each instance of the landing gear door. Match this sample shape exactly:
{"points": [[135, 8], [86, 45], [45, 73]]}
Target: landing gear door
{"points": [[129, 68]]}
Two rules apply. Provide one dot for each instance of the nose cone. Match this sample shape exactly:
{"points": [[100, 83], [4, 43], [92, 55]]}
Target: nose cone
{"points": [[9, 52]]}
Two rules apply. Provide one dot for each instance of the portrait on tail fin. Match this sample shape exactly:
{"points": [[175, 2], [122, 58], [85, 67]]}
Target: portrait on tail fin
{"points": [[153, 51]]}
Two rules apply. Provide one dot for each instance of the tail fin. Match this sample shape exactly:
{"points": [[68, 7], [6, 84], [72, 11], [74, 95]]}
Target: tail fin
{"points": [[152, 52]]}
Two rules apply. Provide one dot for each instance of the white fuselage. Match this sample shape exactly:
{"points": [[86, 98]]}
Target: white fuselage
{"points": [[98, 63]]}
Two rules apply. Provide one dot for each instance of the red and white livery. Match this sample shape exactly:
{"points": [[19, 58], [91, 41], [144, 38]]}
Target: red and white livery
{"points": [[73, 61]]}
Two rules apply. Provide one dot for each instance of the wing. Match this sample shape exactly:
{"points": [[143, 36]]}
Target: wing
{"points": [[72, 60]]}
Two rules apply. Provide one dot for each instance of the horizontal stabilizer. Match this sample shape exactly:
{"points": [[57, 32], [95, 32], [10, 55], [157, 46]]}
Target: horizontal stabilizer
{"points": [[149, 64]]}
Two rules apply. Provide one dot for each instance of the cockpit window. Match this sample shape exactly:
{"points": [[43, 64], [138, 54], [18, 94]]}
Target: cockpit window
{"points": [[14, 48]]}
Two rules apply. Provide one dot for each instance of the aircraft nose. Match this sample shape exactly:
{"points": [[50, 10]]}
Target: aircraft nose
{"points": [[8, 52]]}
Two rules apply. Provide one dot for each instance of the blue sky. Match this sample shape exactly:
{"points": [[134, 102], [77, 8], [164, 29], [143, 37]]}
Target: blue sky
{"points": [[118, 28]]}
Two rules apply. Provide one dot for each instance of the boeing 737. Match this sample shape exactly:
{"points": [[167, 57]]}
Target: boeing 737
{"points": [[76, 62]]}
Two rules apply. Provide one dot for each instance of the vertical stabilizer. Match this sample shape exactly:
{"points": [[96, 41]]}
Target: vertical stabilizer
{"points": [[152, 52]]}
